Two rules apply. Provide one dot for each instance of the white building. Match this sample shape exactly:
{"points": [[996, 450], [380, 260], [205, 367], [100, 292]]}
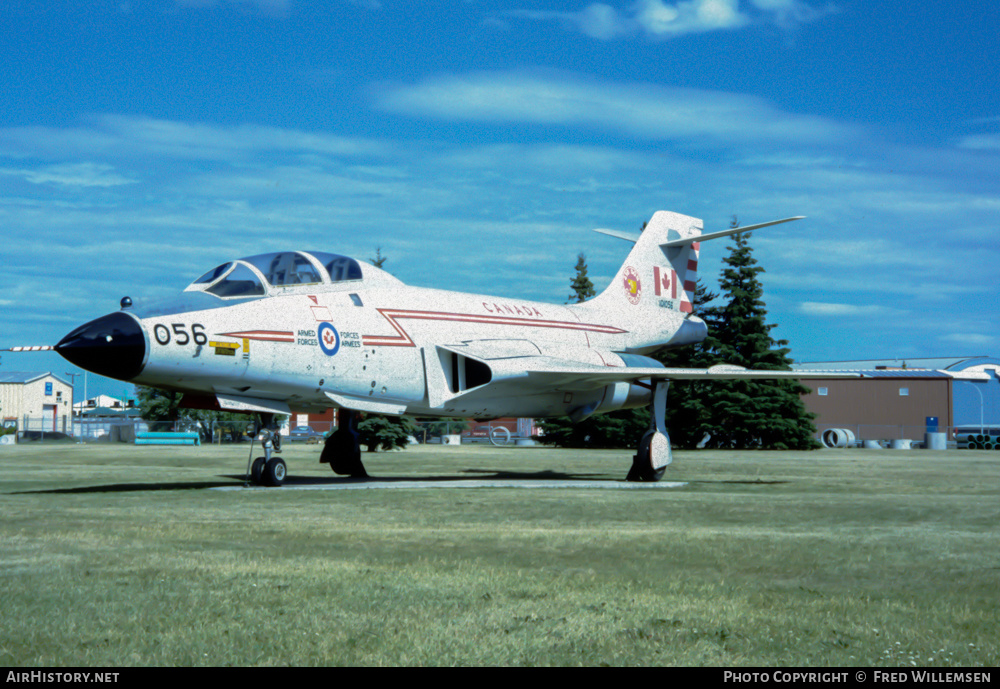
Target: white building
{"points": [[102, 402], [36, 401]]}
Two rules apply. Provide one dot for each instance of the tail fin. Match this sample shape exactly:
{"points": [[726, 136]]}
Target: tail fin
{"points": [[662, 268], [661, 271]]}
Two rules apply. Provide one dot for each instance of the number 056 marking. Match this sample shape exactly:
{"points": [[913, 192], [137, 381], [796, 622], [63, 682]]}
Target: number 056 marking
{"points": [[180, 334]]}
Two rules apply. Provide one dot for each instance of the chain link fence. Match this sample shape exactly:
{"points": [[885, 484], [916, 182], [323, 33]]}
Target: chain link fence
{"points": [[459, 431], [438, 431]]}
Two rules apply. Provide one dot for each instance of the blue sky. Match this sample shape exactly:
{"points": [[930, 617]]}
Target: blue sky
{"points": [[478, 143]]}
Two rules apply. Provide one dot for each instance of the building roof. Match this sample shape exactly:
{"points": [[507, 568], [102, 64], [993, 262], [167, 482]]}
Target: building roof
{"points": [[979, 368], [898, 374], [932, 363], [23, 377], [906, 373], [104, 401]]}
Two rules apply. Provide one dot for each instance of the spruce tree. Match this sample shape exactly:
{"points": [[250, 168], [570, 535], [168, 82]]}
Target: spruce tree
{"points": [[381, 432], [583, 288], [379, 258], [764, 414]]}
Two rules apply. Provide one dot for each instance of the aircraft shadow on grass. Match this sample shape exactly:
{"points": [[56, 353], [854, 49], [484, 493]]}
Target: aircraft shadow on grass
{"points": [[235, 480], [126, 488], [482, 474]]}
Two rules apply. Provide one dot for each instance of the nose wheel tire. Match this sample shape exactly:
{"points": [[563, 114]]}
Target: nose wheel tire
{"points": [[257, 471], [275, 471]]}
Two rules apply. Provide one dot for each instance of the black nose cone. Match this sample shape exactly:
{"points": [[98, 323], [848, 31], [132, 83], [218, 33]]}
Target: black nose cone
{"points": [[112, 346]]}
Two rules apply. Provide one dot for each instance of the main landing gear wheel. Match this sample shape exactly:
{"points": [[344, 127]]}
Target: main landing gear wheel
{"points": [[650, 462], [342, 450], [653, 454]]}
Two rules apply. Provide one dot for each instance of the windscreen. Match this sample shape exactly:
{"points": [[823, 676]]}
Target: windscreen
{"points": [[241, 282]]}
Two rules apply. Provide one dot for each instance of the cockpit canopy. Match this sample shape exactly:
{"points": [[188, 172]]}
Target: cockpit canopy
{"points": [[254, 276]]}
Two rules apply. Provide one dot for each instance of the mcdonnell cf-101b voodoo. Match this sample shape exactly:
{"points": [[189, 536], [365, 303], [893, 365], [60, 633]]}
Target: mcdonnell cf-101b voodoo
{"points": [[308, 330]]}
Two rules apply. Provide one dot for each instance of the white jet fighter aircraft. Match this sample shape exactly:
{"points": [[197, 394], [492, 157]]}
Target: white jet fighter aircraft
{"points": [[307, 330]]}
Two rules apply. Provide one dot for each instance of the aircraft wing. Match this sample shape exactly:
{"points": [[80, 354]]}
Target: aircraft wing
{"points": [[564, 376], [518, 367]]}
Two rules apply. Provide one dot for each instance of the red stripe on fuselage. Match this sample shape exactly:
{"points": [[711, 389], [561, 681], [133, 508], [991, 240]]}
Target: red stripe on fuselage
{"points": [[402, 338]]}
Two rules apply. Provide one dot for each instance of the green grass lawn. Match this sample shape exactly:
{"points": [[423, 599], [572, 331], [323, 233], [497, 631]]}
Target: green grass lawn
{"points": [[114, 555]]}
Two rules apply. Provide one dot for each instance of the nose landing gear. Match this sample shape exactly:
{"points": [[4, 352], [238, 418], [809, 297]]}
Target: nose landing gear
{"points": [[267, 470]]}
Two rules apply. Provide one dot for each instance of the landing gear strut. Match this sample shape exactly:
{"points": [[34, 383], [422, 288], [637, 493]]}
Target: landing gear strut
{"points": [[342, 450], [267, 470], [653, 455]]}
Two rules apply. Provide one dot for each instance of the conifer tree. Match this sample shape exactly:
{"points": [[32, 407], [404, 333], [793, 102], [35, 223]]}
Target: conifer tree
{"points": [[583, 288], [766, 414], [159, 408], [381, 432]]}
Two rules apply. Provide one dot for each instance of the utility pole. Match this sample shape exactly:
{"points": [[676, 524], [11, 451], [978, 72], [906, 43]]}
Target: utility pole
{"points": [[72, 405]]}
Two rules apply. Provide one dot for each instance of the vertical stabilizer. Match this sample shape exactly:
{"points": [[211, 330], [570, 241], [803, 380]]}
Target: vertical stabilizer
{"points": [[654, 277], [652, 295]]}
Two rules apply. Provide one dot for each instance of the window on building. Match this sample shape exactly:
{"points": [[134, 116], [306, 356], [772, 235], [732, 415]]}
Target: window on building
{"points": [[904, 392], [823, 392]]}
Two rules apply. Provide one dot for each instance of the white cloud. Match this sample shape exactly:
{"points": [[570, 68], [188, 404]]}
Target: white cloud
{"points": [[813, 308], [788, 13], [122, 136], [647, 110], [981, 142], [599, 21], [72, 175], [657, 19], [971, 339]]}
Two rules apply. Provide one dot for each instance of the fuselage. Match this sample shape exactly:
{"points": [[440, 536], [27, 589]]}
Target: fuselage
{"points": [[366, 341]]}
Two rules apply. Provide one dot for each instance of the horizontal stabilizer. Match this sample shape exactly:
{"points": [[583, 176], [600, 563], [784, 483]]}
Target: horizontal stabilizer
{"points": [[724, 233], [627, 236]]}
